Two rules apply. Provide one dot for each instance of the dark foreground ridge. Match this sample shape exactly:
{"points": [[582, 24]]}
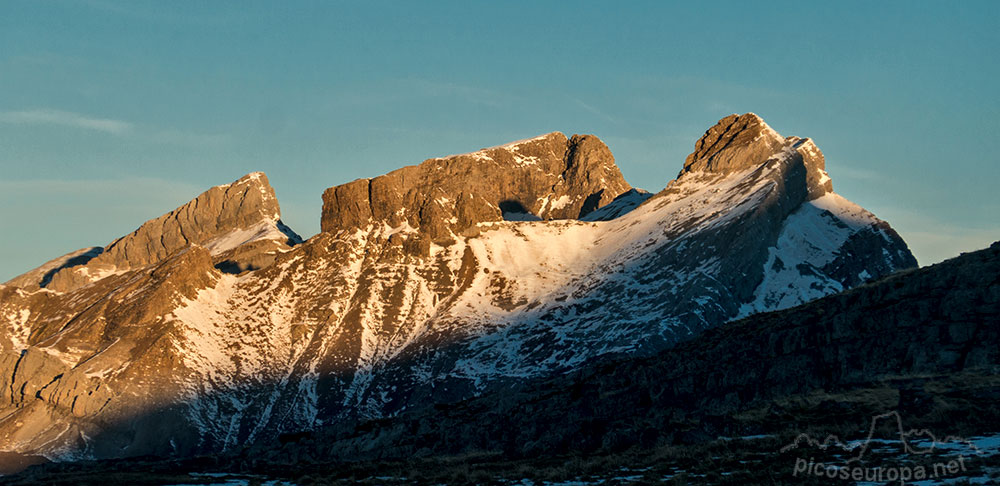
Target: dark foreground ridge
{"points": [[924, 343]]}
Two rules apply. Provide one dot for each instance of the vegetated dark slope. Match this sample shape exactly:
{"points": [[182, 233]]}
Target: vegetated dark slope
{"points": [[925, 342]]}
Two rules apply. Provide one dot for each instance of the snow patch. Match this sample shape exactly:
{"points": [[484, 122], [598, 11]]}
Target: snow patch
{"points": [[19, 330], [560, 202], [483, 154], [263, 230]]}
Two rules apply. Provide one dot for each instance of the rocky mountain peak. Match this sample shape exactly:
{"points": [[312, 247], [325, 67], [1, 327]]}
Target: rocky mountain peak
{"points": [[244, 212], [546, 177], [743, 142], [222, 209], [734, 143]]}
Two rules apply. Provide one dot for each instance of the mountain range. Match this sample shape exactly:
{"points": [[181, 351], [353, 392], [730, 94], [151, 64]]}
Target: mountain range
{"points": [[215, 326]]}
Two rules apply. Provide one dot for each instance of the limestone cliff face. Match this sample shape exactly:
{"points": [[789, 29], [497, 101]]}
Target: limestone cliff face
{"points": [[547, 177], [96, 361]]}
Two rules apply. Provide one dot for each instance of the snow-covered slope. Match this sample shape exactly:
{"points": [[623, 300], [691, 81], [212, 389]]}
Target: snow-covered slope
{"points": [[373, 316], [813, 239]]}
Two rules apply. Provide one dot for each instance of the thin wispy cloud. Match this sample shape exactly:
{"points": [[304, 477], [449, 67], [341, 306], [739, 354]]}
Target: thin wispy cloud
{"points": [[144, 133], [65, 118], [188, 139], [594, 110]]}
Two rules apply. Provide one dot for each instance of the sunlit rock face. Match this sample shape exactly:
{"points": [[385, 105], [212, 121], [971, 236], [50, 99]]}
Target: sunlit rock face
{"points": [[740, 142], [549, 177], [212, 327], [244, 215]]}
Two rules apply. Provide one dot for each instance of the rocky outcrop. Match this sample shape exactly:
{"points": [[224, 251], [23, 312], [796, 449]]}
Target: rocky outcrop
{"points": [[100, 369], [214, 213], [736, 142], [550, 177], [221, 218], [742, 142]]}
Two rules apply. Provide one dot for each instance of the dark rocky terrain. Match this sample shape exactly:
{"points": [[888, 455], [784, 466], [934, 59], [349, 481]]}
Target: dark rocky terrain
{"points": [[886, 345]]}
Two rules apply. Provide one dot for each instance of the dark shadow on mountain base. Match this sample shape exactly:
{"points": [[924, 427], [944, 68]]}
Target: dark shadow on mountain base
{"points": [[924, 342], [13, 462], [515, 211], [591, 203]]}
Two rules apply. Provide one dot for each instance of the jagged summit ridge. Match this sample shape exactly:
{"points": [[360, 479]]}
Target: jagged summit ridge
{"points": [[549, 177]]}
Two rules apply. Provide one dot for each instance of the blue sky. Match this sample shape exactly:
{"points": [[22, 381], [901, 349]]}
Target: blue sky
{"points": [[112, 113]]}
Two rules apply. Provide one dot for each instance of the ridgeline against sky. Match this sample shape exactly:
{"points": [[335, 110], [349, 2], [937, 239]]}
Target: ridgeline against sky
{"points": [[110, 112]]}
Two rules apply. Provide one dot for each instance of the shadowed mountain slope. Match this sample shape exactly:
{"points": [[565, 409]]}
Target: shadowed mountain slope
{"points": [[923, 342]]}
